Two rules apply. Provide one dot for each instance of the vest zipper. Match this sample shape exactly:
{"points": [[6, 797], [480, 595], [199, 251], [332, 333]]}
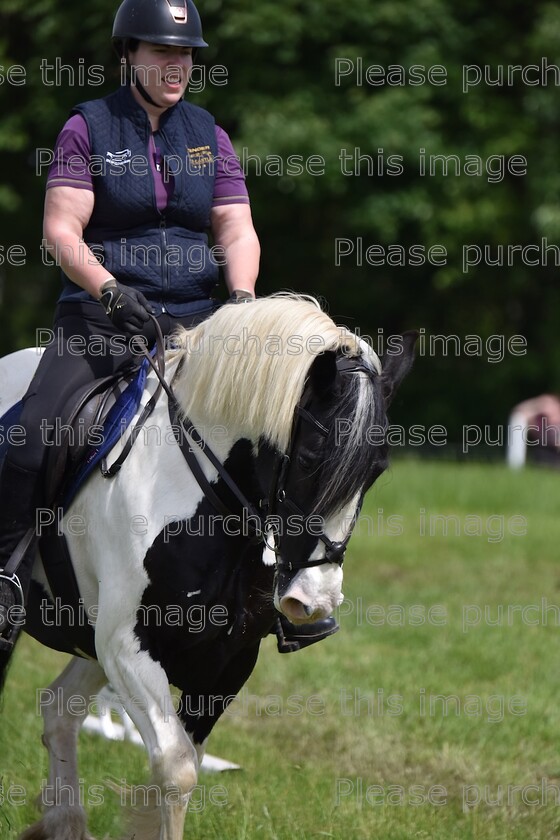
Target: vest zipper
{"points": [[166, 147], [165, 265], [162, 229]]}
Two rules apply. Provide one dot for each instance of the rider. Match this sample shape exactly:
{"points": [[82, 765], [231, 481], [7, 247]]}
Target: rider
{"points": [[111, 229], [128, 229]]}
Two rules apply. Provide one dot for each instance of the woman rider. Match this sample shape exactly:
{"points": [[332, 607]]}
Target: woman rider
{"points": [[133, 217], [156, 173]]}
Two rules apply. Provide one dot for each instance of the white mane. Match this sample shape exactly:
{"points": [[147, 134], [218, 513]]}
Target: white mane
{"points": [[245, 367]]}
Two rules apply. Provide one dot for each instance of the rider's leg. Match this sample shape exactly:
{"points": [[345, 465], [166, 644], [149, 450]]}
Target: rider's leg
{"points": [[61, 372], [19, 497]]}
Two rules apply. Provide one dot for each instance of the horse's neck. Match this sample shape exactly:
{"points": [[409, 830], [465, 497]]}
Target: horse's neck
{"points": [[213, 433]]}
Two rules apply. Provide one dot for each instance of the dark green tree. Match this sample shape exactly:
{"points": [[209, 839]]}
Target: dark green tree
{"points": [[284, 105]]}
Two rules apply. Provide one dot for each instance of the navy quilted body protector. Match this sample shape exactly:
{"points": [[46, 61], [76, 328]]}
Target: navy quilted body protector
{"points": [[163, 254]]}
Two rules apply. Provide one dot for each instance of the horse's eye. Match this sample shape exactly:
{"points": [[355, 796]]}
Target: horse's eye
{"points": [[305, 461]]}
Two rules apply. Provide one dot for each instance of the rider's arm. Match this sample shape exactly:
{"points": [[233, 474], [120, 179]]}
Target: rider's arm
{"points": [[67, 212], [232, 228]]}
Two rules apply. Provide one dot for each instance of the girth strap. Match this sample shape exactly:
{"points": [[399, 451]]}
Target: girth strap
{"points": [[19, 553], [63, 583]]}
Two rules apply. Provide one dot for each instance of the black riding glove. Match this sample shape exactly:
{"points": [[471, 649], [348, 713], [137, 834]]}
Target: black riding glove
{"points": [[128, 309], [240, 296]]}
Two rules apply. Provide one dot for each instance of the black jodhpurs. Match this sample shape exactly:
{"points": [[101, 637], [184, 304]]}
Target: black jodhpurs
{"points": [[86, 347]]}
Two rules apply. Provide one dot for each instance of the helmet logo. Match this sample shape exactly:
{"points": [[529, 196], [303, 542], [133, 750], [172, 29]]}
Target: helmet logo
{"points": [[179, 13]]}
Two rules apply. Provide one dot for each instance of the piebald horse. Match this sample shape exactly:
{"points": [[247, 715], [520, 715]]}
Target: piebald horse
{"points": [[182, 583]]}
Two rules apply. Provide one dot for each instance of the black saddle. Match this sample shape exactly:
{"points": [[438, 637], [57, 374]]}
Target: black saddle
{"points": [[81, 424]]}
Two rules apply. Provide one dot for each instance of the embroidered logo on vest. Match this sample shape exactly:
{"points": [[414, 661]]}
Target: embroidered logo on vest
{"points": [[119, 158], [200, 156]]}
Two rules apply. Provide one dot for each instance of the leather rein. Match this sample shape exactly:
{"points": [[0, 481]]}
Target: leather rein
{"points": [[183, 430]]}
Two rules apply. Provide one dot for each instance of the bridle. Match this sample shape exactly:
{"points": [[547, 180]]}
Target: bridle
{"points": [[278, 497], [334, 550]]}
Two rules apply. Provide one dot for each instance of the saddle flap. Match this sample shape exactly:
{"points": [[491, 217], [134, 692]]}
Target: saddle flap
{"points": [[85, 429]]}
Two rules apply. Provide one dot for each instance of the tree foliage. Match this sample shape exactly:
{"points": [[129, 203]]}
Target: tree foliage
{"points": [[282, 99]]}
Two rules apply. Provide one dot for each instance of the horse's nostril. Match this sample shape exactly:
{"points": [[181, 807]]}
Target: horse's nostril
{"points": [[295, 610]]}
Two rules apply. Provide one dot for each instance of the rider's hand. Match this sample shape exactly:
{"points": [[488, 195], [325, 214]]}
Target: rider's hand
{"points": [[128, 309], [240, 296]]}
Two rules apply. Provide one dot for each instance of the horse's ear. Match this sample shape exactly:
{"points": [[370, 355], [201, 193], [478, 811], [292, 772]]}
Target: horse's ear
{"points": [[323, 372], [396, 365]]}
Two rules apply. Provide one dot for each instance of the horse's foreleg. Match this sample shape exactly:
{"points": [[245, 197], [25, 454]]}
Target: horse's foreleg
{"points": [[158, 810], [64, 709]]}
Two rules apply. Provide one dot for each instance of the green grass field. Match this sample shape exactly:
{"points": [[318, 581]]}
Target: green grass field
{"points": [[434, 713]]}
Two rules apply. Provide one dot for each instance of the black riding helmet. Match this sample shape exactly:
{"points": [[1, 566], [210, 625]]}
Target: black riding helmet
{"points": [[174, 22]]}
